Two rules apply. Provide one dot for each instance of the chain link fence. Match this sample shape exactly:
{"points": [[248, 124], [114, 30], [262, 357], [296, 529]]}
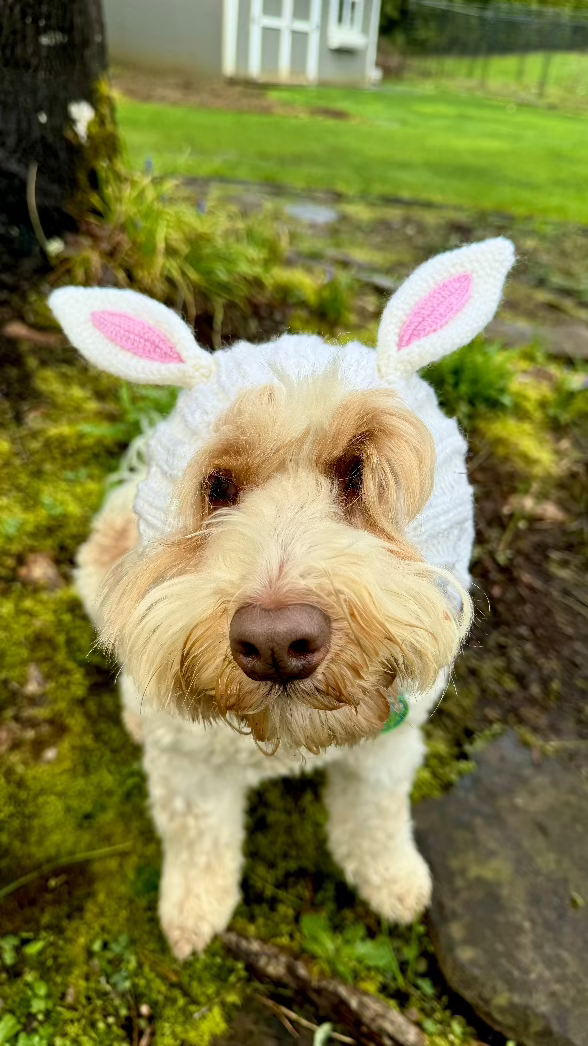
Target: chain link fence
{"points": [[502, 44]]}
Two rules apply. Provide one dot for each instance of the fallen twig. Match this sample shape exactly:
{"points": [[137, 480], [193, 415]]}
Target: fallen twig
{"points": [[54, 866], [20, 331], [373, 1019], [281, 1013], [284, 1013]]}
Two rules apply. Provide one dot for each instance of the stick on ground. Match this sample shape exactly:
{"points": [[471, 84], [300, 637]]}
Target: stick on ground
{"points": [[370, 1018]]}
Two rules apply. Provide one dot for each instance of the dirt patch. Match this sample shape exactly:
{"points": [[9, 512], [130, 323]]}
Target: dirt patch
{"points": [[255, 1026], [331, 114], [167, 89], [527, 659]]}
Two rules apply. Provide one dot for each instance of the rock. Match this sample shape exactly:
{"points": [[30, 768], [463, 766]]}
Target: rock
{"points": [[40, 571], [567, 338], [312, 213], [508, 847]]}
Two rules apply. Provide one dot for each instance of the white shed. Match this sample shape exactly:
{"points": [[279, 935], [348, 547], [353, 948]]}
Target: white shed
{"points": [[274, 41]]}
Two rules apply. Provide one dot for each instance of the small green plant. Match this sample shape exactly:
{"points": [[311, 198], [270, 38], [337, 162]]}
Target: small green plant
{"points": [[352, 952], [476, 378], [35, 1003], [333, 297], [568, 404], [217, 266], [150, 234]]}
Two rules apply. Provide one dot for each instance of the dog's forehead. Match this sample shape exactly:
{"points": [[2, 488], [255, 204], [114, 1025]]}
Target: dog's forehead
{"points": [[172, 444], [296, 411]]}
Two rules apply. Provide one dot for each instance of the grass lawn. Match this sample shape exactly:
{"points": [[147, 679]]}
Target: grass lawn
{"points": [[412, 141], [566, 77]]}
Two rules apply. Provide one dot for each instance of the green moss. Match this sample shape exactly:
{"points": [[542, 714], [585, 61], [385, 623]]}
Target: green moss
{"points": [[476, 378], [82, 949], [519, 402], [443, 767], [76, 424], [527, 445]]}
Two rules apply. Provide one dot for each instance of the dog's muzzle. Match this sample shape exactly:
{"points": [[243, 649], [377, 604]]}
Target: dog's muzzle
{"points": [[282, 644]]}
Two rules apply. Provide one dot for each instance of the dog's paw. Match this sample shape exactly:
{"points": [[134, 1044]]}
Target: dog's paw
{"points": [[401, 893], [192, 911], [185, 942]]}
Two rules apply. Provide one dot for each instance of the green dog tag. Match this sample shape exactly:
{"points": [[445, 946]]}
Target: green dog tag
{"points": [[397, 715]]}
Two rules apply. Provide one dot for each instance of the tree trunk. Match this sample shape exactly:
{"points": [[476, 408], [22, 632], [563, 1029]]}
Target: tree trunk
{"points": [[52, 55]]}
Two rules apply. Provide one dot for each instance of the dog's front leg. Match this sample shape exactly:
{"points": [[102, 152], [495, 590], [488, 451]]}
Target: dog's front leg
{"points": [[199, 814], [370, 825]]}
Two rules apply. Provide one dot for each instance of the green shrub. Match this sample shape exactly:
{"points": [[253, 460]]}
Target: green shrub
{"points": [[225, 271], [151, 235], [476, 378]]}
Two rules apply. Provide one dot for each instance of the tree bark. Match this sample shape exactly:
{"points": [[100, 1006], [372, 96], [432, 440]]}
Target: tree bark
{"points": [[52, 54]]}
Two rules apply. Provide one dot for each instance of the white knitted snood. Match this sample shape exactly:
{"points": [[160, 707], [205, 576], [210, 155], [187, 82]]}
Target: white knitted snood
{"points": [[443, 532]]}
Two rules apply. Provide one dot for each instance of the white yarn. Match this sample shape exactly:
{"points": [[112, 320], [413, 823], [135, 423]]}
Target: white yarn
{"points": [[486, 263], [74, 308], [443, 532]]}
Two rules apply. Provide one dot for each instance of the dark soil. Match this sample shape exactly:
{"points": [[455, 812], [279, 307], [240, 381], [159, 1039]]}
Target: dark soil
{"points": [[173, 89], [527, 658], [256, 1026]]}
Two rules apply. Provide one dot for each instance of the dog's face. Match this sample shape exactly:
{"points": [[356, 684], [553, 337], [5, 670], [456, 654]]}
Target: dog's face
{"points": [[288, 600]]}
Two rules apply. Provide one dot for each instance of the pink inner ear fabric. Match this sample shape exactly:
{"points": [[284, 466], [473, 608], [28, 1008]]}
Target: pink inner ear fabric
{"points": [[436, 309], [135, 336]]}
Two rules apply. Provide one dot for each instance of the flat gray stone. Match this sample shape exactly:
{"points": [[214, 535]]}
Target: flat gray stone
{"points": [[508, 847], [567, 338], [312, 213]]}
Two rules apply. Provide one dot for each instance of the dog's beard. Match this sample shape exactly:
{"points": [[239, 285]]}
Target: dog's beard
{"points": [[340, 704], [386, 638]]}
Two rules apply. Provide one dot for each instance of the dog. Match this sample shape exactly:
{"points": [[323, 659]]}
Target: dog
{"points": [[285, 580]]}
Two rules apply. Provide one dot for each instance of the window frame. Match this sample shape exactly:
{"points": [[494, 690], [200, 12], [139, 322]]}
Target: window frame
{"points": [[345, 27]]}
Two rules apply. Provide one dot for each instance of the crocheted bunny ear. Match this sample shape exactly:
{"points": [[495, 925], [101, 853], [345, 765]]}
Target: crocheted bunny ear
{"points": [[131, 335], [443, 305]]}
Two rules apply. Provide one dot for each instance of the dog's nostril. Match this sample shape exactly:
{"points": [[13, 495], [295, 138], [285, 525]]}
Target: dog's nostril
{"points": [[300, 647], [249, 650]]}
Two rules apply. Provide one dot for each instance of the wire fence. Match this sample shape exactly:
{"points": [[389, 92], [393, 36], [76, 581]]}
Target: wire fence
{"points": [[541, 49]]}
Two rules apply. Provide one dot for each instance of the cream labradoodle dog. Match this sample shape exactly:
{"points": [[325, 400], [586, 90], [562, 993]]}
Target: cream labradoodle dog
{"points": [[285, 582]]}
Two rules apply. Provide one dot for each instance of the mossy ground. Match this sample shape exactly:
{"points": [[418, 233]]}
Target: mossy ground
{"points": [[82, 958]]}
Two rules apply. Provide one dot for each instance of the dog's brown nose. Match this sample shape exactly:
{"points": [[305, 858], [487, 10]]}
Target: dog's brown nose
{"points": [[282, 644]]}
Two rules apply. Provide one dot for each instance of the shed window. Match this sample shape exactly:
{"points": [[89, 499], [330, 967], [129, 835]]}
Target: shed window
{"points": [[350, 14], [346, 25]]}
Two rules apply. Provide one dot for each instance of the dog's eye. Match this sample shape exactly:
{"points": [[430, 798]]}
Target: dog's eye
{"points": [[348, 471], [221, 490]]}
